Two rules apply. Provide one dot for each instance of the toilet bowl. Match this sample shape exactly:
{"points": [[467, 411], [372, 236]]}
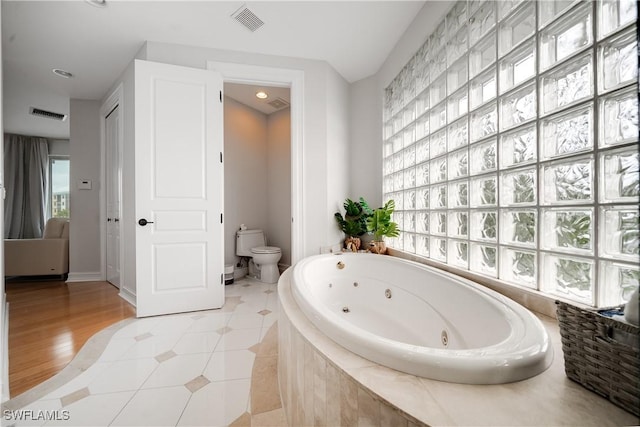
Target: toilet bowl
{"points": [[265, 259]]}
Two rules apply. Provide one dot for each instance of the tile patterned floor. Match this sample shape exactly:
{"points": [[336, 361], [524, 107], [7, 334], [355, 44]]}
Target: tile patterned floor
{"points": [[178, 370]]}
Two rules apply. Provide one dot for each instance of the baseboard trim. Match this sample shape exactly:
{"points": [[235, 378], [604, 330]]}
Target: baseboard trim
{"points": [[85, 277], [128, 296]]}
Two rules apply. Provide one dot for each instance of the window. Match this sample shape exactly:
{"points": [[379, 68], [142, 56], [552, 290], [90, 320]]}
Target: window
{"points": [[59, 187], [511, 146]]}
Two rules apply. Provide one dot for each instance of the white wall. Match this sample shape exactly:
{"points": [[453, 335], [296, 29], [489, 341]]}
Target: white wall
{"points": [[279, 182], [366, 101], [324, 92], [58, 147], [84, 151], [245, 172]]}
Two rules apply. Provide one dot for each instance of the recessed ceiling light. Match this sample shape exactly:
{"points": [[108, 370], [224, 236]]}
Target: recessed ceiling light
{"points": [[262, 95], [62, 73], [97, 3]]}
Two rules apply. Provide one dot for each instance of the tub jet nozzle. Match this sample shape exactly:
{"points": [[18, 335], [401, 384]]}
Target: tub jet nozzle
{"points": [[345, 309]]}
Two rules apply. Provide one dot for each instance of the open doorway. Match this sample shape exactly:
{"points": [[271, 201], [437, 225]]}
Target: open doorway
{"points": [[257, 144]]}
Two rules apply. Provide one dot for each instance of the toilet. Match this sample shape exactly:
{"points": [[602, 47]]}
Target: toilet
{"points": [[264, 259]]}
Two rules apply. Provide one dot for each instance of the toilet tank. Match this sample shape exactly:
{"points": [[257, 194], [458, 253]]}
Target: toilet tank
{"points": [[247, 239]]}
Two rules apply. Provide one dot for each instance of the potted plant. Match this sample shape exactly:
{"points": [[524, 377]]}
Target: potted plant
{"points": [[381, 225], [353, 224]]}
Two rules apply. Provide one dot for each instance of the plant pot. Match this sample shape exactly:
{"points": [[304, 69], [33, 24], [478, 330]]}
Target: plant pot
{"points": [[366, 240], [378, 247], [352, 243]]}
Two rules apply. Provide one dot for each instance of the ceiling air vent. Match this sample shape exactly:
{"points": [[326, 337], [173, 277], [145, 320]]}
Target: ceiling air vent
{"points": [[47, 114], [278, 103], [247, 18]]}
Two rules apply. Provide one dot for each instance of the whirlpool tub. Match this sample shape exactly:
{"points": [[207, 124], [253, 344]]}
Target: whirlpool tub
{"points": [[420, 320]]}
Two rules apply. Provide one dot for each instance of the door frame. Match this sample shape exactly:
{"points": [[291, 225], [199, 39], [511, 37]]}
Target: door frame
{"points": [[116, 98], [293, 79]]}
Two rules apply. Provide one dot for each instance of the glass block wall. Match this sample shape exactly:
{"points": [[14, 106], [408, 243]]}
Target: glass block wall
{"points": [[511, 146]]}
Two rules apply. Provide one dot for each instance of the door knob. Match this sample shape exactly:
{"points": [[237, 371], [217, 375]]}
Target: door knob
{"points": [[116, 220], [144, 222], [108, 219]]}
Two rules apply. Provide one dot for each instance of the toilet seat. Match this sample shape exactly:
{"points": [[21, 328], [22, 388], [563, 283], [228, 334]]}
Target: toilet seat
{"points": [[265, 250]]}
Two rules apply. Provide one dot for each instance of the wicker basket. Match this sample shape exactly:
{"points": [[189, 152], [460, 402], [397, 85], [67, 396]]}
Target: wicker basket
{"points": [[601, 354]]}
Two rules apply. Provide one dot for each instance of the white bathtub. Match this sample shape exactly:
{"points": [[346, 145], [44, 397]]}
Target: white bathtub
{"points": [[420, 320]]}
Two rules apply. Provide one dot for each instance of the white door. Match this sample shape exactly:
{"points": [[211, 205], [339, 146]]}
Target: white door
{"points": [[113, 180], [179, 189]]}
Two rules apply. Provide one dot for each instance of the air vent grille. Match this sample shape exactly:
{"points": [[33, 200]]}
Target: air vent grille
{"points": [[278, 103], [247, 18], [47, 114]]}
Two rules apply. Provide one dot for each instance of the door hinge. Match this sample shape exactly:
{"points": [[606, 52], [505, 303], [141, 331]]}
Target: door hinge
{"points": [[221, 278], [221, 157], [220, 96], [220, 218]]}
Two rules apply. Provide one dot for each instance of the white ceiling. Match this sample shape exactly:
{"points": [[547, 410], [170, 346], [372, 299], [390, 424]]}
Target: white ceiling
{"points": [[96, 44], [246, 94]]}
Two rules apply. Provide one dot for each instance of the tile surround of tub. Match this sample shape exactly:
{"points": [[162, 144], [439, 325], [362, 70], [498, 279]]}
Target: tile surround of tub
{"points": [[371, 394]]}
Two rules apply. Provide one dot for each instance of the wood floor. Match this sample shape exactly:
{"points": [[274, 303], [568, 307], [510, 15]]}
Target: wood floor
{"points": [[49, 321]]}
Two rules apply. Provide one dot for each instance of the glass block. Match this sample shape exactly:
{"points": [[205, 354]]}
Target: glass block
{"points": [[387, 184], [438, 143], [458, 224], [398, 142], [409, 221], [422, 198], [518, 227], [388, 129], [422, 245], [484, 157], [459, 194], [614, 14], [398, 123], [398, 198], [457, 104], [518, 147], [567, 133], [438, 65], [458, 164], [518, 187], [619, 233], [619, 111], [484, 191], [422, 103], [410, 203], [617, 283], [518, 266], [482, 55], [387, 149], [483, 122], [618, 61], [409, 243], [438, 224], [569, 277], [457, 45], [409, 135], [409, 179], [398, 181], [438, 195], [483, 259], [456, 18], [438, 116], [506, 6], [397, 162], [458, 253], [567, 230], [566, 36], [422, 126], [516, 28], [422, 174], [484, 225], [482, 21], [409, 156], [457, 75], [422, 222], [438, 90], [422, 76], [567, 181], [518, 66], [548, 10], [422, 150], [571, 83], [483, 89], [458, 134], [619, 178], [438, 250], [518, 107]]}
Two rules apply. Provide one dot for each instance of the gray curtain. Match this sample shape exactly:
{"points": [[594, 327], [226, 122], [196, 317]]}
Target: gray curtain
{"points": [[26, 178]]}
